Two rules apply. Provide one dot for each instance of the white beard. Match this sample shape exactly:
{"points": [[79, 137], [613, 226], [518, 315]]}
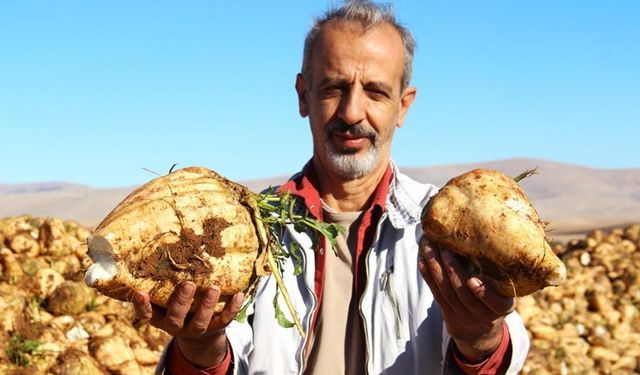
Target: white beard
{"points": [[352, 165]]}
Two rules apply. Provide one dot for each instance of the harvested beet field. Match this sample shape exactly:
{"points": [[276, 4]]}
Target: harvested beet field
{"points": [[52, 323]]}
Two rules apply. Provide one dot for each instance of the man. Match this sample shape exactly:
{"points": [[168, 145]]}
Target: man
{"points": [[384, 303]]}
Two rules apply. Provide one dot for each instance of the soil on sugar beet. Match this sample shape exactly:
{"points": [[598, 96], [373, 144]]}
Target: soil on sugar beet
{"points": [[186, 255]]}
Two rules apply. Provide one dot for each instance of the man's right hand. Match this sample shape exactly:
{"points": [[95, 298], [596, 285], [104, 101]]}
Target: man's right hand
{"points": [[200, 336]]}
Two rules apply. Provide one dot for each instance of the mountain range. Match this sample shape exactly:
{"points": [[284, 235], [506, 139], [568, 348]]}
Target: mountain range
{"points": [[573, 199]]}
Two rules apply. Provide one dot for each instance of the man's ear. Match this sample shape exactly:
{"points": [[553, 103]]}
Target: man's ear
{"points": [[408, 96], [303, 100]]}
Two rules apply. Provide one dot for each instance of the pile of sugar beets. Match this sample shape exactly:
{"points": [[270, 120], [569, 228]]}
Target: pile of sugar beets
{"points": [[50, 321], [591, 323], [195, 225]]}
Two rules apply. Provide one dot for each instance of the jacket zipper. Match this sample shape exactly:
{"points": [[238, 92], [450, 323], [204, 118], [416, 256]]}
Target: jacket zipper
{"points": [[364, 292], [387, 284], [312, 311]]}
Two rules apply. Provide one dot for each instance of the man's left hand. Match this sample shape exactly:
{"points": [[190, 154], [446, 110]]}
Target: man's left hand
{"points": [[473, 312]]}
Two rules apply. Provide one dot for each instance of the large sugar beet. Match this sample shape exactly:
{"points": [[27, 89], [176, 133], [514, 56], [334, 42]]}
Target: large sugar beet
{"points": [[484, 216], [191, 224], [195, 225]]}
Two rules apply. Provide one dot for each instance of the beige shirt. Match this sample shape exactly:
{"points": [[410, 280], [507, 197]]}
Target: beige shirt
{"points": [[337, 345]]}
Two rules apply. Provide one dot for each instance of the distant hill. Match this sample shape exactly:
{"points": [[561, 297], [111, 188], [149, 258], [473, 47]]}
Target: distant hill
{"points": [[84, 204], [574, 199], [39, 187]]}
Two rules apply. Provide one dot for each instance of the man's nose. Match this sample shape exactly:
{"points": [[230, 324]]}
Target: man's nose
{"points": [[352, 106]]}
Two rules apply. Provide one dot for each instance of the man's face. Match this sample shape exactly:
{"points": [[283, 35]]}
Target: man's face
{"points": [[353, 97]]}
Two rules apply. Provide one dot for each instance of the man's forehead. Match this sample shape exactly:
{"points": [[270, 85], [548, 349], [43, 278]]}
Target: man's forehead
{"points": [[377, 50]]}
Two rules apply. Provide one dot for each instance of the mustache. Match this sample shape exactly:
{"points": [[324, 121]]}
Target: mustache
{"points": [[357, 130]]}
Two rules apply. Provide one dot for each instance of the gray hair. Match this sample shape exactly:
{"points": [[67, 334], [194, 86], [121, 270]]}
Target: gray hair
{"points": [[369, 14]]}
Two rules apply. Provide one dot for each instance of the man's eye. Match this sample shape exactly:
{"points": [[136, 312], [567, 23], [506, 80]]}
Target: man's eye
{"points": [[377, 94], [331, 91]]}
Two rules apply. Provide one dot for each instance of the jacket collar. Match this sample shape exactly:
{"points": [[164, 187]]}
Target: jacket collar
{"points": [[305, 185], [391, 195], [403, 210]]}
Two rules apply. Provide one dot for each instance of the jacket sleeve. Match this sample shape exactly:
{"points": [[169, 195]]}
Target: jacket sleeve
{"points": [[178, 364], [491, 365], [519, 345], [519, 342], [240, 336]]}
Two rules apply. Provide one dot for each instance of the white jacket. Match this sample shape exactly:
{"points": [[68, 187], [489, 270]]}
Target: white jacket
{"points": [[404, 332], [403, 326]]}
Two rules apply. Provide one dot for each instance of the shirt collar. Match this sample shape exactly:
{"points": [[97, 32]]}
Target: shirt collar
{"points": [[305, 185]]}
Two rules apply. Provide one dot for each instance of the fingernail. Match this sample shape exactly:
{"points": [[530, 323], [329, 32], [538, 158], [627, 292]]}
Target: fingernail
{"points": [[139, 298], [475, 283], [238, 298], [427, 253], [187, 289], [210, 295], [421, 264]]}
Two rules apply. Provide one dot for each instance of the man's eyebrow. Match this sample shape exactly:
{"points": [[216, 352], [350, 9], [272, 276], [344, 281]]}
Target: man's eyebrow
{"points": [[380, 85], [334, 81], [343, 81]]}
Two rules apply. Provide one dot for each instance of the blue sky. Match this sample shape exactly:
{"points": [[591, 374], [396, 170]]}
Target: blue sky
{"points": [[91, 92]]}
